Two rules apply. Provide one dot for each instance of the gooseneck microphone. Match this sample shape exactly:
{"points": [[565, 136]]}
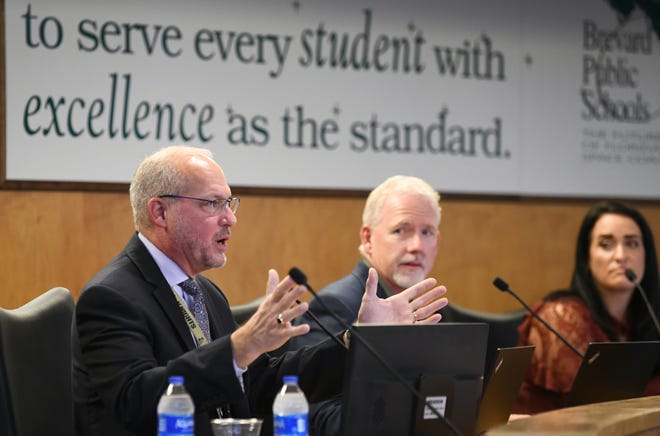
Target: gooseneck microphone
{"points": [[504, 287], [323, 326], [300, 278], [633, 278]]}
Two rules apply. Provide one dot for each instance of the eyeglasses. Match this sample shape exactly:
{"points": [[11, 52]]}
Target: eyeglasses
{"points": [[213, 206]]}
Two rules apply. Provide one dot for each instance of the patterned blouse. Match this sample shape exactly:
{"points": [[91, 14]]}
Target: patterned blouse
{"points": [[554, 365]]}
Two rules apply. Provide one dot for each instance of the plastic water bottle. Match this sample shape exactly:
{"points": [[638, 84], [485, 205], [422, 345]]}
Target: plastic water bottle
{"points": [[176, 411], [290, 409]]}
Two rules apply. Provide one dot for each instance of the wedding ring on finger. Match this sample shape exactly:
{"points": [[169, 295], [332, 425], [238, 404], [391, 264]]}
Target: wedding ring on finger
{"points": [[414, 316], [280, 319]]}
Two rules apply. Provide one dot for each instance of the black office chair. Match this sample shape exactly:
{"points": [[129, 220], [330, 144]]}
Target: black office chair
{"points": [[35, 366], [242, 312], [502, 328]]}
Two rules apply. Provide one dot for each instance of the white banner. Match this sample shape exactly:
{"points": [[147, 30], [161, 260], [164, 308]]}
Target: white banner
{"points": [[479, 96]]}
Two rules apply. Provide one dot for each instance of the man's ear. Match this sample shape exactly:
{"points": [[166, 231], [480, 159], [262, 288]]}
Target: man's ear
{"points": [[365, 238], [157, 210]]}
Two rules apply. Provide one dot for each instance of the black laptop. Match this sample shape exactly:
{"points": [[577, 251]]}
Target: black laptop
{"points": [[445, 362], [613, 371], [509, 370]]}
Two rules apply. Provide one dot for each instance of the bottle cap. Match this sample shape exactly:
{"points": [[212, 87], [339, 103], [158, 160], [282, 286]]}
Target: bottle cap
{"points": [[176, 379], [290, 379]]}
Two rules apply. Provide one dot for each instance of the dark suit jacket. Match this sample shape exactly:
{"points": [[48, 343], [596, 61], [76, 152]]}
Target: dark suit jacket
{"points": [[128, 336], [342, 297]]}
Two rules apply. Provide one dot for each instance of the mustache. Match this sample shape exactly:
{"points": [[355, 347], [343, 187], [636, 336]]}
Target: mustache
{"points": [[412, 258], [225, 233]]}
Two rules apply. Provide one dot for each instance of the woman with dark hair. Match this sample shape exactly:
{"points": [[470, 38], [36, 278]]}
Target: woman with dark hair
{"points": [[601, 304]]}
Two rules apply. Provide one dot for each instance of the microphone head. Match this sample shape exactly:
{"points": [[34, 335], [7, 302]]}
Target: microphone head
{"points": [[501, 284], [298, 276], [631, 275]]}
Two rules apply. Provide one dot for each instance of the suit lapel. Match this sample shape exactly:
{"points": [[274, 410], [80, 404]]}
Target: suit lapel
{"points": [[167, 301], [162, 293]]}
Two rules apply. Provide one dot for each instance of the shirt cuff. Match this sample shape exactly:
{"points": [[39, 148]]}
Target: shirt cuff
{"points": [[239, 374]]}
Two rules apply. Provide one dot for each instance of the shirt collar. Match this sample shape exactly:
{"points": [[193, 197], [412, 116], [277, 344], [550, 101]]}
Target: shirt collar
{"points": [[171, 271]]}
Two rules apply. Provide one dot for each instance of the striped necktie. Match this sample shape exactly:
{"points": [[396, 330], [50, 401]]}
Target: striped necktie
{"points": [[191, 287]]}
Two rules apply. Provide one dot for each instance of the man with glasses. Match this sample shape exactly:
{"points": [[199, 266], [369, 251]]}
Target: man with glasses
{"points": [[149, 314]]}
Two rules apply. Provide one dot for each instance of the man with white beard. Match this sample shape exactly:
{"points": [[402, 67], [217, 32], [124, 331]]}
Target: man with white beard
{"points": [[399, 238]]}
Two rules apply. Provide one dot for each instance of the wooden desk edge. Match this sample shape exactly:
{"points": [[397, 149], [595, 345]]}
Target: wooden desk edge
{"points": [[636, 415]]}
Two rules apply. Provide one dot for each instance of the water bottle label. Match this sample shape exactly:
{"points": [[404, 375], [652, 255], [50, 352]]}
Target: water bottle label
{"points": [[290, 425], [171, 425]]}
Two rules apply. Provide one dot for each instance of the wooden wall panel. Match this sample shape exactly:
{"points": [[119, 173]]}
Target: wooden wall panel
{"points": [[61, 238]]}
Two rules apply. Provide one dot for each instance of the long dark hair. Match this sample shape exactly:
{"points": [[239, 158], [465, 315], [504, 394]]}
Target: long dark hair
{"points": [[582, 283]]}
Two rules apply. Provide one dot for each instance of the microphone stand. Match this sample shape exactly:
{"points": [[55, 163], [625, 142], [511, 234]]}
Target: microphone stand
{"points": [[504, 287], [630, 274], [323, 327]]}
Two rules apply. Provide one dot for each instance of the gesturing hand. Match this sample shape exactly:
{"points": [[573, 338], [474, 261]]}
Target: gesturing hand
{"points": [[416, 305], [270, 326]]}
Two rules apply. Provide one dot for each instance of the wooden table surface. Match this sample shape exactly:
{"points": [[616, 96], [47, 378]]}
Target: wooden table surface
{"points": [[634, 416]]}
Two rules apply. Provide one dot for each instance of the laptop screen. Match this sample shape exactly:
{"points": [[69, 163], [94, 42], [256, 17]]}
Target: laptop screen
{"points": [[613, 371], [508, 372], [444, 361]]}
